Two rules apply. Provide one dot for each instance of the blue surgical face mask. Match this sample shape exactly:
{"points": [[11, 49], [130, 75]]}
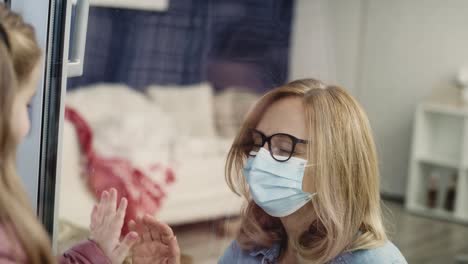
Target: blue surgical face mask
{"points": [[276, 186]]}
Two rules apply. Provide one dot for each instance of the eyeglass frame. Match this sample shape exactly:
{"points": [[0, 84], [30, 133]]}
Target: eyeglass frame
{"points": [[266, 139]]}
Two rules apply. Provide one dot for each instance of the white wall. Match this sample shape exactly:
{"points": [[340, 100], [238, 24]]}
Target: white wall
{"points": [[345, 19], [312, 54], [411, 47], [325, 41], [390, 55]]}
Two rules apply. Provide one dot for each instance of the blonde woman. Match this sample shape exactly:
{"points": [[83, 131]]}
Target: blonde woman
{"points": [[305, 161], [22, 238]]}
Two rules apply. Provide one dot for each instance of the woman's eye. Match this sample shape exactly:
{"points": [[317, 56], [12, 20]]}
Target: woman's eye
{"points": [[285, 152], [285, 148], [281, 151]]}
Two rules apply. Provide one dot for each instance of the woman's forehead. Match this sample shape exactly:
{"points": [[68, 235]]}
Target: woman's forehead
{"points": [[286, 115]]}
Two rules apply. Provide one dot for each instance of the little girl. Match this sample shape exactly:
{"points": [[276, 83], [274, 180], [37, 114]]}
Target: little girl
{"points": [[305, 162], [22, 238]]}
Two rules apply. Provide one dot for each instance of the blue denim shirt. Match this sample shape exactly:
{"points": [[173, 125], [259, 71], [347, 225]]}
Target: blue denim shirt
{"points": [[386, 254]]}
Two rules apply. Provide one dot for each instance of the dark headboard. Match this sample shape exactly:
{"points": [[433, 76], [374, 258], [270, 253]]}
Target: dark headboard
{"points": [[226, 42]]}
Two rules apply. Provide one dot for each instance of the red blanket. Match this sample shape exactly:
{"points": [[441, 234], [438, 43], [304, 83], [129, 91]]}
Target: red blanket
{"points": [[143, 194]]}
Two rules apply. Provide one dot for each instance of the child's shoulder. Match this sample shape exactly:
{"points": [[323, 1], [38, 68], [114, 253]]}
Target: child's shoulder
{"points": [[10, 247]]}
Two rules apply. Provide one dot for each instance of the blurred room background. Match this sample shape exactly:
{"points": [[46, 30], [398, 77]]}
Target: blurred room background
{"points": [[166, 84]]}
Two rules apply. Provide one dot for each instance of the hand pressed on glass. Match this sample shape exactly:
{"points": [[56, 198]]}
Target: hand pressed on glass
{"points": [[106, 224], [157, 243]]}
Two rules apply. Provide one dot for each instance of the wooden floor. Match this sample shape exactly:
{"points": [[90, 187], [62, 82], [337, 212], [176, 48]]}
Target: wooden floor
{"points": [[421, 240], [426, 241]]}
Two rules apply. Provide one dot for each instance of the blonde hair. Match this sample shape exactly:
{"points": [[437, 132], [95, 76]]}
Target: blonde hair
{"points": [[343, 172], [19, 54]]}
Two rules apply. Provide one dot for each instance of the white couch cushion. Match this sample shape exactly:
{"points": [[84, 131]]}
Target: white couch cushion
{"points": [[200, 191], [230, 108], [191, 107], [125, 123]]}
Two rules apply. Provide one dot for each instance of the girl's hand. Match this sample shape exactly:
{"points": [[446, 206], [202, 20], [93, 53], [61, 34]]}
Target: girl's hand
{"points": [[106, 225], [157, 243]]}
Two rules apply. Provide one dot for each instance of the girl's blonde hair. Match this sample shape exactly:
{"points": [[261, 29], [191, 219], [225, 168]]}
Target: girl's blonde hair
{"points": [[19, 54], [343, 172]]}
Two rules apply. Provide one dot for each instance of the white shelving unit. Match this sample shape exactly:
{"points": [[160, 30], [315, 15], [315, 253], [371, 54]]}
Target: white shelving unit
{"points": [[440, 143]]}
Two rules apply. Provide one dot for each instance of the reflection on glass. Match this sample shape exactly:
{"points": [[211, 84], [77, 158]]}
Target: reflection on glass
{"points": [[162, 96], [166, 90]]}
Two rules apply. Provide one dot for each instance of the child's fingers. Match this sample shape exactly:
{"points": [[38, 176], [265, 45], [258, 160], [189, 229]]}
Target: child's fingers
{"points": [[108, 206], [132, 226], [121, 251], [103, 201], [120, 214], [122, 208], [94, 218], [104, 197], [101, 206], [99, 214], [113, 200], [114, 193]]}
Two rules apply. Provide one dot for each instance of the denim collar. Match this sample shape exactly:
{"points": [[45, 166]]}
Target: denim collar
{"points": [[269, 255]]}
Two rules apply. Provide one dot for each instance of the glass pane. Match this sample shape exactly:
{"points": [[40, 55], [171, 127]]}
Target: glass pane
{"points": [[162, 97], [168, 90]]}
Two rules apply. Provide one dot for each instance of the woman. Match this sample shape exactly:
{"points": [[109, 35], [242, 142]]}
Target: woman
{"points": [[305, 161]]}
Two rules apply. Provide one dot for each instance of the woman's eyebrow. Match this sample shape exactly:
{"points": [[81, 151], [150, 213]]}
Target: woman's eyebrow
{"points": [[258, 130]]}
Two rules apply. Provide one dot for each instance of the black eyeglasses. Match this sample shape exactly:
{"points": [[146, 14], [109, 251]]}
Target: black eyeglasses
{"points": [[281, 146]]}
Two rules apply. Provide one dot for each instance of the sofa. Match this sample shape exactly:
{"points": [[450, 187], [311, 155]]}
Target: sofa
{"points": [[187, 128]]}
